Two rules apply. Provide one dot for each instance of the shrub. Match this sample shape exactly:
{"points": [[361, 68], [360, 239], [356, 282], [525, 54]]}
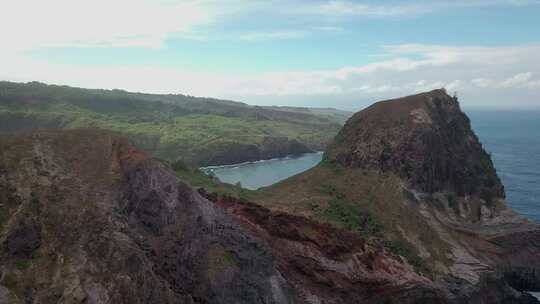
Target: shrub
{"points": [[9, 280], [179, 165], [22, 264], [403, 249], [350, 216], [327, 162], [328, 189]]}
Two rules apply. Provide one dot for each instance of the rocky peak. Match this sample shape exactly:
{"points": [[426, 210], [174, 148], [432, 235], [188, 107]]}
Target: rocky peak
{"points": [[425, 139]]}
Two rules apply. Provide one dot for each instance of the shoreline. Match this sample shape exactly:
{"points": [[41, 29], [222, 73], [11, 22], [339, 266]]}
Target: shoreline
{"points": [[292, 156]]}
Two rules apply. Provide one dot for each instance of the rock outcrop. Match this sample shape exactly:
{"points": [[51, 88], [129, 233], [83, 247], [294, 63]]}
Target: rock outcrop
{"points": [[426, 139], [86, 218], [427, 142], [326, 264]]}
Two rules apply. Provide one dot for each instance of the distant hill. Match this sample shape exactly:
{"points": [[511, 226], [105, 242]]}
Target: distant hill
{"points": [[200, 131]]}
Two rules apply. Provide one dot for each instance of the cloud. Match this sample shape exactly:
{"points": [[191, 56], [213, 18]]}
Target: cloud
{"points": [[275, 35], [477, 72], [520, 80], [413, 68], [27, 24], [346, 8], [337, 8]]}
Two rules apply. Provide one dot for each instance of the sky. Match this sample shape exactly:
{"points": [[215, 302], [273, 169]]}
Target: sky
{"points": [[320, 53]]}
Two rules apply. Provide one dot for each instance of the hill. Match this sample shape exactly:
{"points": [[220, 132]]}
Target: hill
{"points": [[87, 218], [410, 173], [198, 131]]}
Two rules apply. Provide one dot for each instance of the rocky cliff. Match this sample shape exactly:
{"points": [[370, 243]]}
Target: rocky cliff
{"points": [[410, 174], [449, 179], [426, 139], [86, 218]]}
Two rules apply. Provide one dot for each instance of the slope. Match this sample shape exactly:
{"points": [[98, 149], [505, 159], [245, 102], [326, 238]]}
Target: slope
{"points": [[410, 171], [199, 131]]}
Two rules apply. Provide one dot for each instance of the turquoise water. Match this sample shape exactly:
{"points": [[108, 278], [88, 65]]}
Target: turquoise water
{"points": [[265, 173], [513, 139]]}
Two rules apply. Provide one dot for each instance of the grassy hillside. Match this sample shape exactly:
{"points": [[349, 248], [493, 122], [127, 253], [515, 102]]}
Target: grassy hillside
{"points": [[200, 131], [374, 205]]}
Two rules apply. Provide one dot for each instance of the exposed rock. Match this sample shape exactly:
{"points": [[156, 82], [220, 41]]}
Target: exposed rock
{"points": [[24, 239], [331, 265], [100, 222], [87, 218], [425, 139]]}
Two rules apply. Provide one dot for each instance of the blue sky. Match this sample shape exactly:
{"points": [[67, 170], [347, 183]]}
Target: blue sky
{"points": [[343, 54]]}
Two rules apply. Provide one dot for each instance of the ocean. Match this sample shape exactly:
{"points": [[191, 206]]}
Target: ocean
{"points": [[513, 140]]}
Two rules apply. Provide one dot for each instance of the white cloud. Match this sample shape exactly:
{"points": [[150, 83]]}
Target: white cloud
{"points": [[339, 8], [520, 80], [398, 70], [30, 24], [474, 71], [347, 8], [276, 35]]}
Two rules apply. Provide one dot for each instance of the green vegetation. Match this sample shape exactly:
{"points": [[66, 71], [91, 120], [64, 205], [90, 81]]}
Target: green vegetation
{"points": [[9, 280], [328, 189], [179, 165], [367, 202], [200, 131], [405, 250], [198, 179], [219, 260], [350, 216], [22, 264], [327, 162]]}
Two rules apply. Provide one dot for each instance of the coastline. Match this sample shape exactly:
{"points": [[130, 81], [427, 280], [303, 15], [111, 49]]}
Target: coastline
{"points": [[291, 156]]}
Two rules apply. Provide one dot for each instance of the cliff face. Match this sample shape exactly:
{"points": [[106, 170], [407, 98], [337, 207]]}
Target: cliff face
{"points": [[86, 218], [325, 264], [415, 170], [448, 179], [425, 139]]}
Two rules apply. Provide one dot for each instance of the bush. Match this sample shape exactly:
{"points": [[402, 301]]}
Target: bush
{"points": [[350, 216], [179, 165], [327, 162], [403, 249], [22, 264], [9, 280], [328, 189]]}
